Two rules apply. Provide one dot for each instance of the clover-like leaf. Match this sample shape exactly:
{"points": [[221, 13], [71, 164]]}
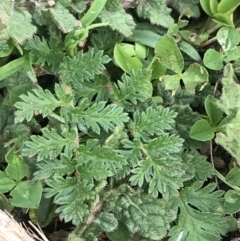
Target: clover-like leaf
{"points": [[213, 59], [228, 37], [202, 131], [169, 55], [193, 76]]}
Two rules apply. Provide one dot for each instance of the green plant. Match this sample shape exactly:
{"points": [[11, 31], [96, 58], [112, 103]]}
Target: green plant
{"points": [[203, 130], [25, 194], [100, 119]]}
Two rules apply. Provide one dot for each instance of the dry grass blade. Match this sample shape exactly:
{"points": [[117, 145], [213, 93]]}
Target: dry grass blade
{"points": [[10, 230]]}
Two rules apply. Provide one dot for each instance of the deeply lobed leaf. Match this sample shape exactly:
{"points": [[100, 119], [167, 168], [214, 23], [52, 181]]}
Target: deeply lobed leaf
{"points": [[99, 115], [197, 219], [82, 67]]}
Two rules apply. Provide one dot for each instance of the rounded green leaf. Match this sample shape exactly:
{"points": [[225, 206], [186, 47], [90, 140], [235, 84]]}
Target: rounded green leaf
{"points": [[213, 6], [232, 202], [214, 113], [205, 4], [125, 61], [169, 54], [232, 223], [157, 69], [213, 59], [6, 183], [141, 51], [202, 131], [196, 74], [16, 168], [228, 37], [232, 55], [233, 177], [226, 6], [26, 194], [172, 82]]}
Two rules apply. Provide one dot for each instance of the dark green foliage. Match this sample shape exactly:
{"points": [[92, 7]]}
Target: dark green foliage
{"points": [[199, 203], [99, 115]]}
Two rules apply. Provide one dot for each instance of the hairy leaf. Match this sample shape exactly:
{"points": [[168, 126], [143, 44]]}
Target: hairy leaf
{"points": [[40, 101], [99, 115], [99, 162], [229, 137], [187, 6], [83, 67], [159, 173], [230, 98], [50, 144], [151, 122], [153, 9], [164, 145], [118, 20], [44, 52], [11, 23], [94, 89], [158, 166], [135, 86], [142, 214], [197, 221], [57, 167], [63, 18], [199, 165], [71, 194]]}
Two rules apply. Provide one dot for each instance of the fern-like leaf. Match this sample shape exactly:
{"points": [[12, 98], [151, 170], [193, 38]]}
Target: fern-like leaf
{"points": [[50, 144], [135, 86], [43, 52], [39, 48], [160, 175], [199, 165], [141, 214], [47, 169], [99, 115], [105, 39], [158, 164], [95, 88], [71, 195], [151, 122], [101, 160], [165, 145], [83, 67], [197, 220], [40, 101]]}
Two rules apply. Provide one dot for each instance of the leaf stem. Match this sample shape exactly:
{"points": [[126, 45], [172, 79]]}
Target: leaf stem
{"points": [[222, 178], [93, 12], [96, 25]]}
